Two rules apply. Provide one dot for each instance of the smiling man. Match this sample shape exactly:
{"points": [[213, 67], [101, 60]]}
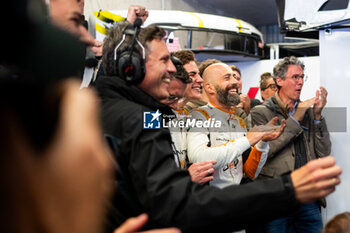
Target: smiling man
{"points": [[227, 144], [150, 181], [193, 92], [306, 138]]}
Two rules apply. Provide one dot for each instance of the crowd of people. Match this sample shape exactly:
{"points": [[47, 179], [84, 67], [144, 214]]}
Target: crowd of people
{"points": [[210, 158]]}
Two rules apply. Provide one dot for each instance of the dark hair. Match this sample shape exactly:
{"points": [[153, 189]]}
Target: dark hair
{"points": [[204, 64], [263, 80], [181, 73], [114, 36], [185, 56], [235, 68]]}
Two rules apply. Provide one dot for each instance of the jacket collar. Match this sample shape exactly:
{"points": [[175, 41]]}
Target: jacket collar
{"points": [[284, 107]]}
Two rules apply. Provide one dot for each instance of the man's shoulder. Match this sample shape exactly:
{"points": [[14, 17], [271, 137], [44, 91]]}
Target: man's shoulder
{"points": [[122, 115], [269, 105], [205, 111]]}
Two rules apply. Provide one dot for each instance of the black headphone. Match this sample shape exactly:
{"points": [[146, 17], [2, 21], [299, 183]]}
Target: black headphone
{"points": [[130, 65]]}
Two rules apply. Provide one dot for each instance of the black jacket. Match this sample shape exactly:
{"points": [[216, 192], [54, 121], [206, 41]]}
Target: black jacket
{"points": [[153, 184]]}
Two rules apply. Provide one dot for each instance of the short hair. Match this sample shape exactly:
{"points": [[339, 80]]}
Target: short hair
{"points": [[339, 224], [204, 64], [114, 36], [263, 80], [281, 68], [235, 68], [185, 56]]}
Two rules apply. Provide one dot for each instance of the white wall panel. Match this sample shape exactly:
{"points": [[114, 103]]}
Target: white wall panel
{"points": [[335, 74]]}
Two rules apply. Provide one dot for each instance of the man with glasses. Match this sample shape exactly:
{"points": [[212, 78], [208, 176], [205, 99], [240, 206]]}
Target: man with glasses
{"points": [[305, 138], [268, 86]]}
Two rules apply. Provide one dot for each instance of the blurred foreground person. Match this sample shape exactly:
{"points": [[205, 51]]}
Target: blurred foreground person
{"points": [[56, 172]]}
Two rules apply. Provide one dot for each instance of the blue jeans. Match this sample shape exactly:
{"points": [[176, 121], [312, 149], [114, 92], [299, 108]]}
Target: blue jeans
{"points": [[307, 219]]}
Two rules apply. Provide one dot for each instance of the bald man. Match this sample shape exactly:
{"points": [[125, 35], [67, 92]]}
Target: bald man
{"points": [[226, 143]]}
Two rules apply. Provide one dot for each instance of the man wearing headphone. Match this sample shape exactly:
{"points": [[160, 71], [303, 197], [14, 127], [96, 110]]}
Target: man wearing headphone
{"points": [[138, 71]]}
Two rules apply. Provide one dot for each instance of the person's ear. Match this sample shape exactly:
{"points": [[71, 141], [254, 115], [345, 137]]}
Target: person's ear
{"points": [[209, 88], [279, 81]]}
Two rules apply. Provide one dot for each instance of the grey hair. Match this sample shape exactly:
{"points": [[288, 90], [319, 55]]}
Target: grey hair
{"points": [[281, 68], [114, 36]]}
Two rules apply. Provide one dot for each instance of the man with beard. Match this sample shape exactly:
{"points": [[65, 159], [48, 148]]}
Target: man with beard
{"points": [[225, 142], [149, 179]]}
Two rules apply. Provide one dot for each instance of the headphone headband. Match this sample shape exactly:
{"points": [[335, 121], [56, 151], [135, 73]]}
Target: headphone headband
{"points": [[130, 66]]}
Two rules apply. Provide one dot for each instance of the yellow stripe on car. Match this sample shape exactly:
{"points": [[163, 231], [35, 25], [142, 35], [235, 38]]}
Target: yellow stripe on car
{"points": [[200, 21], [107, 16], [239, 25], [101, 29]]}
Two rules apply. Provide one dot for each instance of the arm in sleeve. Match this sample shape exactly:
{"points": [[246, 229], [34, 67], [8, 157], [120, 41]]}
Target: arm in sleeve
{"points": [[291, 131], [198, 149], [321, 136], [256, 159]]}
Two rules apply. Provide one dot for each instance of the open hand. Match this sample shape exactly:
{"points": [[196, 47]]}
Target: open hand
{"points": [[320, 102], [266, 132], [316, 179], [302, 108]]}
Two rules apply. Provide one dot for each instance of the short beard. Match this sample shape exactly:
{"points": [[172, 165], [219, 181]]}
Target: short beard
{"points": [[225, 98]]}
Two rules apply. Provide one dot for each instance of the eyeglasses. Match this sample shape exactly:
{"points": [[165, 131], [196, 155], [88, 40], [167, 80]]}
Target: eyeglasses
{"points": [[272, 86], [298, 77]]}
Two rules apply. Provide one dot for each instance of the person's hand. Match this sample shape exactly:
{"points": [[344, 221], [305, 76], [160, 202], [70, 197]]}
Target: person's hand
{"points": [[302, 107], [202, 172], [320, 102], [136, 11], [136, 223], [316, 179], [245, 103], [269, 136], [97, 48], [266, 132]]}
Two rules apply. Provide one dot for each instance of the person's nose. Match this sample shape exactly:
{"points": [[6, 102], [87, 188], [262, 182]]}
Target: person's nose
{"points": [[198, 79], [233, 80], [300, 81], [170, 67]]}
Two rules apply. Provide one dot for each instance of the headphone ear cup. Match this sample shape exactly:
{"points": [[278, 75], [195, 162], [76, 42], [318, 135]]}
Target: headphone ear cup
{"points": [[131, 70]]}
